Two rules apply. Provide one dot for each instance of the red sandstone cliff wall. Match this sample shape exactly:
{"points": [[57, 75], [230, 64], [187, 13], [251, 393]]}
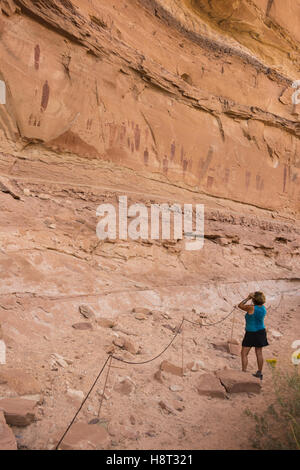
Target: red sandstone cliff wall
{"points": [[198, 92]]}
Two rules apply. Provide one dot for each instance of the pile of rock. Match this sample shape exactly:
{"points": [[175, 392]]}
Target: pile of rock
{"points": [[17, 410]]}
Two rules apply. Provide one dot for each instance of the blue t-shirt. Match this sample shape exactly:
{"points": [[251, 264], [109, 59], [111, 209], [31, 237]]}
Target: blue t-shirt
{"points": [[255, 322]]}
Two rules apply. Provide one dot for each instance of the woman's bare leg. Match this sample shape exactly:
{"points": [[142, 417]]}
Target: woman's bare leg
{"points": [[260, 359], [244, 355]]}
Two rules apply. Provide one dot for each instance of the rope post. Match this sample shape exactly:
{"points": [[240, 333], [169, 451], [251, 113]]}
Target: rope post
{"points": [[103, 393], [79, 409]]}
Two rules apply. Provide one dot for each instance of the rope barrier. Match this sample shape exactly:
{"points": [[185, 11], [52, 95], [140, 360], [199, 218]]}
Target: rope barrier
{"points": [[111, 357], [158, 355], [104, 388], [79, 409], [211, 324]]}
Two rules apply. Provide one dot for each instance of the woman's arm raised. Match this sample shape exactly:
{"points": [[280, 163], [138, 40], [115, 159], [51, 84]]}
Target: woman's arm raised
{"points": [[247, 308]]}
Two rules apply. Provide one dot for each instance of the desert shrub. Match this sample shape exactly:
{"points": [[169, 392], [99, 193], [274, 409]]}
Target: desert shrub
{"points": [[278, 427]]}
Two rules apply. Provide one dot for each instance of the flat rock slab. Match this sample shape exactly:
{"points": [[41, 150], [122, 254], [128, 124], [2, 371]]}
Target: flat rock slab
{"points": [[18, 411], [84, 436], [82, 326], [20, 381], [236, 381], [209, 385], [7, 438]]}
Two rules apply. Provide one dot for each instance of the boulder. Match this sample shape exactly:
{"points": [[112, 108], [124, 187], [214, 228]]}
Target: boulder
{"points": [[209, 385], [18, 411], [7, 438], [170, 368], [236, 381], [87, 312], [84, 436]]}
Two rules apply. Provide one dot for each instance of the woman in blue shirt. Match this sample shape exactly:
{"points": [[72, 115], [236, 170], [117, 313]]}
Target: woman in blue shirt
{"points": [[255, 335]]}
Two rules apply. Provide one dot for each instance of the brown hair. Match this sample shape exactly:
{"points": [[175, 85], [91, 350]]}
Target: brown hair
{"points": [[258, 298]]}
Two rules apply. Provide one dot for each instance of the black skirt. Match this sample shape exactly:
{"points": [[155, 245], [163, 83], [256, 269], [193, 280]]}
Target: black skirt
{"points": [[256, 339]]}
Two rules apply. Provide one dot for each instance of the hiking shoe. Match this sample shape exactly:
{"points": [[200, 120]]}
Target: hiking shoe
{"points": [[258, 375]]}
